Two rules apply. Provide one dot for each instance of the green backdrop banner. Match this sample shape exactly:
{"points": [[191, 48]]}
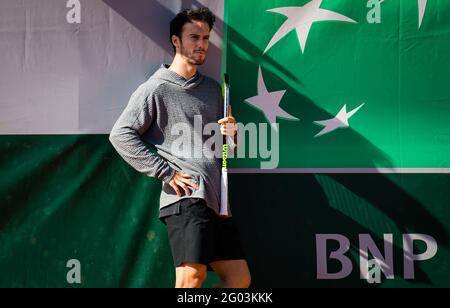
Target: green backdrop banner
{"points": [[70, 197], [73, 198], [352, 84]]}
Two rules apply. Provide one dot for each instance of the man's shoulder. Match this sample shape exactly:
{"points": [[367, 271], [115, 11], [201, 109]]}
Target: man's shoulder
{"points": [[210, 82], [151, 85]]}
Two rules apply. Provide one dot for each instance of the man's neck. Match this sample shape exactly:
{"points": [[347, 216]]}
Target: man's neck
{"points": [[182, 68]]}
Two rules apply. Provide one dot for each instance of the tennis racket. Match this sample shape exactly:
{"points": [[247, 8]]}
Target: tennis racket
{"points": [[224, 210]]}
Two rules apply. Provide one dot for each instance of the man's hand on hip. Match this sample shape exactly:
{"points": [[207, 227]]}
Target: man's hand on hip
{"points": [[183, 181]]}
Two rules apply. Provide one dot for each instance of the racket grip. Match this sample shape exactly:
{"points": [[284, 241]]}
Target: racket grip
{"points": [[224, 211]]}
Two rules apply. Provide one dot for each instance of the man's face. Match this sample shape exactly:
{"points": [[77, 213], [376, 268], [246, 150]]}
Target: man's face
{"points": [[195, 42]]}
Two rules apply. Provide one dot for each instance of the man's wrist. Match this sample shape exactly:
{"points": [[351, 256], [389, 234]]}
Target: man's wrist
{"points": [[169, 176]]}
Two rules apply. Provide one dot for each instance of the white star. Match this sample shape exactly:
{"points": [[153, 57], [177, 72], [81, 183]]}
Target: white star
{"points": [[340, 121], [422, 6], [301, 18], [268, 102]]}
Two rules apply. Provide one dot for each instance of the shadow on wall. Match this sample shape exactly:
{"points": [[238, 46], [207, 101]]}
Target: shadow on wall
{"points": [[153, 20], [279, 228]]}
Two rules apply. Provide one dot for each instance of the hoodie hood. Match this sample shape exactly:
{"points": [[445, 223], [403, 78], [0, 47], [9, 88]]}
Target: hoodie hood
{"points": [[163, 73]]}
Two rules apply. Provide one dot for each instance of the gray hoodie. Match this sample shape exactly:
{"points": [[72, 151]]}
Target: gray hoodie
{"points": [[143, 134]]}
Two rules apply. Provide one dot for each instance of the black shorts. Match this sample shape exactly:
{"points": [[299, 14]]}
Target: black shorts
{"points": [[198, 235]]}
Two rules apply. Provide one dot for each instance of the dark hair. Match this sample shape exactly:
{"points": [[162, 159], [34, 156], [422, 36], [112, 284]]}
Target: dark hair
{"points": [[189, 15]]}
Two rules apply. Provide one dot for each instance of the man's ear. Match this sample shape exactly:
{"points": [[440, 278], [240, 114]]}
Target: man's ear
{"points": [[176, 41]]}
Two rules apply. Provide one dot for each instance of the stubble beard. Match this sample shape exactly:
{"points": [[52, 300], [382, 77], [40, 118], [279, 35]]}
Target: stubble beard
{"points": [[190, 57]]}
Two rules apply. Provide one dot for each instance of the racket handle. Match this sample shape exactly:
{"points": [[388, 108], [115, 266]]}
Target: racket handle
{"points": [[224, 211]]}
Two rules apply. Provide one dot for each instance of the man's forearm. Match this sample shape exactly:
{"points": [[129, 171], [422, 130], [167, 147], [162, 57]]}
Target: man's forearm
{"points": [[132, 149]]}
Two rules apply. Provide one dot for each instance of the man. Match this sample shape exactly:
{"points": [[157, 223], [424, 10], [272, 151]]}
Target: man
{"points": [[170, 102]]}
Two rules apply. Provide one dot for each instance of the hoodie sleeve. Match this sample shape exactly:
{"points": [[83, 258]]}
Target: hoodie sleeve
{"points": [[126, 134]]}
